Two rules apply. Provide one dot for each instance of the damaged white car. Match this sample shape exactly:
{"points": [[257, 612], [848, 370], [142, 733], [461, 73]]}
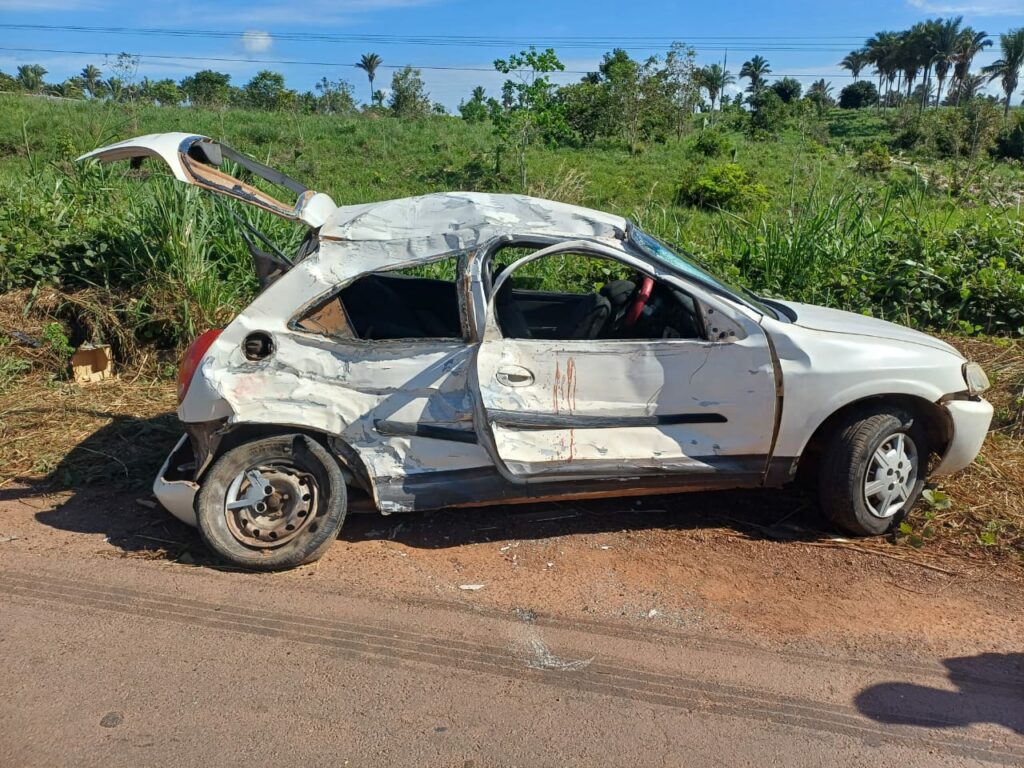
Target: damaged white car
{"points": [[462, 349]]}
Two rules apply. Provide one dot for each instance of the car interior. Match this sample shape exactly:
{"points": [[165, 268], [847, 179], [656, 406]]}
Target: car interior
{"points": [[610, 302], [417, 303], [396, 306], [613, 302]]}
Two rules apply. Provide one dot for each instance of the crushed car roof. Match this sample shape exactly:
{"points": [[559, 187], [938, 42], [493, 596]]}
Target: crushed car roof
{"points": [[418, 227], [411, 217]]}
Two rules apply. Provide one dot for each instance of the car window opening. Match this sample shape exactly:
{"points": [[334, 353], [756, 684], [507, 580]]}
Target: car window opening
{"points": [[573, 296], [414, 303]]}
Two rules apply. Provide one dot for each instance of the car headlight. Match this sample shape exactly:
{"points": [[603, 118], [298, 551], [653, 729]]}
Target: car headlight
{"points": [[977, 381]]}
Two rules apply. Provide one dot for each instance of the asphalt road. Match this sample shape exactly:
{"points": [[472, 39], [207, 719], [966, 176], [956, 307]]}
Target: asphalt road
{"points": [[113, 662]]}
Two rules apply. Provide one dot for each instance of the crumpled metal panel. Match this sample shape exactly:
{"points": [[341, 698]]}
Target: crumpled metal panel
{"points": [[415, 228]]}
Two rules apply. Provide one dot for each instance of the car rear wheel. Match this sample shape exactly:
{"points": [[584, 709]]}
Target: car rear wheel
{"points": [[873, 470], [273, 503]]}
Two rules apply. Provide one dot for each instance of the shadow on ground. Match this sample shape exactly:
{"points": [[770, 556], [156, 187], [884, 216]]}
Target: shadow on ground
{"points": [[110, 471], [107, 474], [989, 689]]}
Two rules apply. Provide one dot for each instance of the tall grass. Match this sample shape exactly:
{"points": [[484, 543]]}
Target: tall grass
{"points": [[171, 261]]}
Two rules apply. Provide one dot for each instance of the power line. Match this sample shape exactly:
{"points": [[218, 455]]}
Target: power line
{"points": [[298, 62], [444, 40]]}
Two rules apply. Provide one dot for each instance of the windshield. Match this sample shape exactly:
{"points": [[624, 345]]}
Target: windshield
{"points": [[657, 250]]}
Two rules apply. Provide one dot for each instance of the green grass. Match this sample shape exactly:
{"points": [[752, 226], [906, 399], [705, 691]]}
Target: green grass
{"points": [[898, 245]]}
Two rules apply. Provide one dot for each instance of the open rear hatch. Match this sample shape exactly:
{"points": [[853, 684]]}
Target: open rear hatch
{"points": [[197, 160]]}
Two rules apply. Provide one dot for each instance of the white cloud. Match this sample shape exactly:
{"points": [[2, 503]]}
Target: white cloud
{"points": [[255, 41], [975, 7]]}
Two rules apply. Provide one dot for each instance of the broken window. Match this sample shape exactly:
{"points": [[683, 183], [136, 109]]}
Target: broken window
{"points": [[419, 302], [579, 296]]}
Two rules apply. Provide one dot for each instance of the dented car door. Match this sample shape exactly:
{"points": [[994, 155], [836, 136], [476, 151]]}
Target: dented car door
{"points": [[626, 407]]}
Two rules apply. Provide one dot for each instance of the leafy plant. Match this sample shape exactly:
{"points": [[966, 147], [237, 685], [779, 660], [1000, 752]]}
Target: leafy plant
{"points": [[711, 143], [875, 160], [57, 341], [721, 186], [11, 368], [937, 500]]}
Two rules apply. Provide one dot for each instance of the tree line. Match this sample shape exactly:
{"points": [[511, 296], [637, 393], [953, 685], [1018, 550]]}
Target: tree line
{"points": [[208, 88], [935, 58]]}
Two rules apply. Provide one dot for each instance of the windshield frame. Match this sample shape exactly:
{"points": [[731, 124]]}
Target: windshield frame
{"points": [[689, 267]]}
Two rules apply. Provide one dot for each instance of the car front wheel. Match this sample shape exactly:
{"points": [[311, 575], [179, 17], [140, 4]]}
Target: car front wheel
{"points": [[872, 471], [273, 503]]}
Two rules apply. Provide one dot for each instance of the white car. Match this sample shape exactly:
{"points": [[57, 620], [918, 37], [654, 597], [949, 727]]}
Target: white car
{"points": [[414, 350]]}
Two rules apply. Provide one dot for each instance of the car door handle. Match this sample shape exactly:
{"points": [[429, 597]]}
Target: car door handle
{"points": [[514, 377]]}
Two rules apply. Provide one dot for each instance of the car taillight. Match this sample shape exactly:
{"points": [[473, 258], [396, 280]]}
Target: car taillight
{"points": [[193, 357]]}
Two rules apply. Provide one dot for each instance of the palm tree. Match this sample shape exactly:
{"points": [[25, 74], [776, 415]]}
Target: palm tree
{"points": [[855, 61], [923, 36], [969, 87], [91, 82], [369, 63], [969, 45], [1007, 68], [820, 88], [883, 51], [115, 86], [30, 77], [714, 79], [757, 70], [945, 39]]}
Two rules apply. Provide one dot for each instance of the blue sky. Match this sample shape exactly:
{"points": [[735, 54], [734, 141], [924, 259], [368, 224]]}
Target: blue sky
{"points": [[804, 39]]}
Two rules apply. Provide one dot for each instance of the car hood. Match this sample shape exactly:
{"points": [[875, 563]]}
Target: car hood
{"points": [[838, 321]]}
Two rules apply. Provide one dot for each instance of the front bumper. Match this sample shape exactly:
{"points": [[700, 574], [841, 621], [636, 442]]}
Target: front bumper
{"points": [[174, 491], [970, 420]]}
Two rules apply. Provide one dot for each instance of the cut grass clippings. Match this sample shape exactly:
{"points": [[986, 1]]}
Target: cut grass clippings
{"points": [[56, 435]]}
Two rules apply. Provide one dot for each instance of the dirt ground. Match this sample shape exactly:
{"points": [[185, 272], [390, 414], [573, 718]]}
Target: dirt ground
{"points": [[731, 629], [697, 561]]}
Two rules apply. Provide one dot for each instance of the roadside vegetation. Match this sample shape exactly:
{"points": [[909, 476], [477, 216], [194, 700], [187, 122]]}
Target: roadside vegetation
{"points": [[900, 198]]}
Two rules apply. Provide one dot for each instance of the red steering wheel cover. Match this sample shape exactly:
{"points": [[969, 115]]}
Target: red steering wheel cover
{"points": [[640, 301]]}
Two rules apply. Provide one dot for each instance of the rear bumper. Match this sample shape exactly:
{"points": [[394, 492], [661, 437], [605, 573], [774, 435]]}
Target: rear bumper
{"points": [[175, 493], [971, 420]]}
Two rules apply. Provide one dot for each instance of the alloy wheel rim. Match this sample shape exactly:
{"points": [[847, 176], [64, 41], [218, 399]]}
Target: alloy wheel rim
{"points": [[891, 475]]}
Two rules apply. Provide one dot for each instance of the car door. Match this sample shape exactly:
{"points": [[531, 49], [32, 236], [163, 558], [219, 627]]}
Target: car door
{"points": [[564, 409]]}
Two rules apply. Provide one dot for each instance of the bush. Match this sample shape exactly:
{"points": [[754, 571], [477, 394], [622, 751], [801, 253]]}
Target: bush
{"points": [[965, 132], [721, 186], [768, 113], [909, 133], [1010, 143], [858, 95], [874, 160], [711, 143]]}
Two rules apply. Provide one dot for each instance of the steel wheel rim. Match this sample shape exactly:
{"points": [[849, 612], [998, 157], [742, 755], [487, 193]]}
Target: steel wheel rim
{"points": [[891, 475], [268, 505]]}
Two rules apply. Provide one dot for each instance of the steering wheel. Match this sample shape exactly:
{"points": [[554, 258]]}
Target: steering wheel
{"points": [[642, 297]]}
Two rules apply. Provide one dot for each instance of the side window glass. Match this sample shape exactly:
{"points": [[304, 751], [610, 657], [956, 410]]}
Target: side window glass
{"points": [[413, 303]]}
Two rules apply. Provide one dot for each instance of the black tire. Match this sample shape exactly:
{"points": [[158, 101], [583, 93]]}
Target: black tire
{"points": [[312, 465], [847, 460]]}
